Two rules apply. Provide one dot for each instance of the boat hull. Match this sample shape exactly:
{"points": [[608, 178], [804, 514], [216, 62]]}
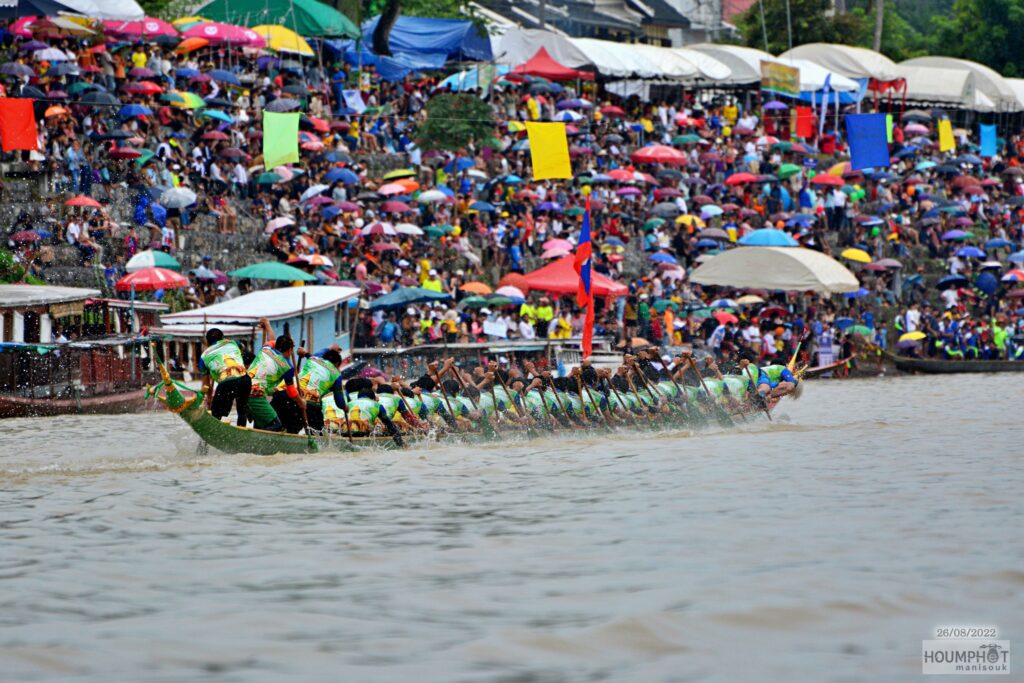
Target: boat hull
{"points": [[942, 367], [110, 404]]}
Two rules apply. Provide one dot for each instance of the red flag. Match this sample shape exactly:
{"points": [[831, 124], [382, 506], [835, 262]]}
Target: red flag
{"points": [[18, 124], [585, 293], [804, 122]]}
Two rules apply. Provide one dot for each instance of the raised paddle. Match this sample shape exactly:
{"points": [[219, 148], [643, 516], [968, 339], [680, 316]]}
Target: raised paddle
{"points": [[625, 406], [632, 386], [438, 376]]}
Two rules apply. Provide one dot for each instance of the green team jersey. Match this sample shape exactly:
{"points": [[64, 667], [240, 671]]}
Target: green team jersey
{"points": [[415, 405], [317, 378], [223, 360], [363, 413], [737, 386], [773, 372], [389, 403], [715, 386], [462, 406], [432, 403], [267, 370], [667, 389]]}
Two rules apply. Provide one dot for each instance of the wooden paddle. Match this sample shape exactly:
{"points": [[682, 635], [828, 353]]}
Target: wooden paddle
{"points": [[763, 405], [723, 417]]}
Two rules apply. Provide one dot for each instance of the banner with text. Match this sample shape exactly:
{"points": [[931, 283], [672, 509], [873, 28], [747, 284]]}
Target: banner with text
{"points": [[780, 79]]}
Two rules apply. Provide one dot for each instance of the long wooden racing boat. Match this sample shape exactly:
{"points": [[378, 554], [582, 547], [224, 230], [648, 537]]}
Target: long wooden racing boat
{"points": [[931, 366], [229, 438]]}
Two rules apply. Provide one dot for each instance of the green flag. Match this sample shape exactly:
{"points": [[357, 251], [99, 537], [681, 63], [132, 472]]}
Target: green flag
{"points": [[280, 138]]}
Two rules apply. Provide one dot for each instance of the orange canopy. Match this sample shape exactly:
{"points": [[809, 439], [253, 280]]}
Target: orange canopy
{"points": [[559, 277]]}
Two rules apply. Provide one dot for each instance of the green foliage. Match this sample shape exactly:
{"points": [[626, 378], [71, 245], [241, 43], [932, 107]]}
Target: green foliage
{"points": [[168, 10], [454, 121], [984, 31], [812, 22], [11, 272]]}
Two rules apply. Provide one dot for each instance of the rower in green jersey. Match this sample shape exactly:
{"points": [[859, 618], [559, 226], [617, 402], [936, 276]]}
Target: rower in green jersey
{"points": [[222, 363], [320, 375], [269, 369]]}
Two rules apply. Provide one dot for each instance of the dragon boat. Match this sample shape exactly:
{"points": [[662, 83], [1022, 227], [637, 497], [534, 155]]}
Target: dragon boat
{"points": [[190, 405]]}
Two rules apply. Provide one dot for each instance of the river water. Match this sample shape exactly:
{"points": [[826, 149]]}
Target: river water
{"points": [[821, 547]]}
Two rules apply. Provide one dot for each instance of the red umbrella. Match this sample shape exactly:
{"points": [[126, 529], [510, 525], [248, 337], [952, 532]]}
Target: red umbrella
{"points": [[614, 112], [215, 135], [143, 88], [659, 154], [828, 179], [82, 200], [725, 317], [773, 310], [124, 153], [25, 236], [663, 192], [740, 178], [385, 246], [395, 207], [151, 279], [622, 175]]}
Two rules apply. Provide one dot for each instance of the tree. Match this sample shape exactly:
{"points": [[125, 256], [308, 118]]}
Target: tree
{"points": [[812, 22], [984, 31], [454, 121]]}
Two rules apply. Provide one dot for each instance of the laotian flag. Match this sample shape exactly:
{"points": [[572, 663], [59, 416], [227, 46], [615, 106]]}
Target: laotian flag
{"points": [[584, 293]]}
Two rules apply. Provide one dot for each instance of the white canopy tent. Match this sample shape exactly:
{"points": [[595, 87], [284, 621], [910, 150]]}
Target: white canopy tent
{"points": [[120, 10], [852, 62], [927, 84], [516, 45], [745, 64], [1017, 85], [986, 80], [786, 268]]}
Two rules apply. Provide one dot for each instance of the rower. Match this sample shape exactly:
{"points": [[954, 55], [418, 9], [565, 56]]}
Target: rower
{"points": [[364, 411], [321, 375], [222, 363], [773, 381], [270, 369]]}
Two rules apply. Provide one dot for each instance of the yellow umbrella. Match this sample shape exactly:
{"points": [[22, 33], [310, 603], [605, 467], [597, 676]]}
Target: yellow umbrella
{"points": [[913, 336], [516, 126], [687, 219], [749, 299], [188, 20], [282, 39], [840, 168], [858, 255]]}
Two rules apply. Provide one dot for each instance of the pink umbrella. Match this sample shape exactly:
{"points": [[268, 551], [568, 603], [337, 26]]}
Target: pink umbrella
{"points": [[628, 191], [385, 246], [147, 28], [392, 188], [557, 243], [915, 129], [278, 223], [285, 173], [377, 229], [348, 207], [510, 291], [395, 207], [555, 253], [226, 34], [20, 27], [318, 200]]}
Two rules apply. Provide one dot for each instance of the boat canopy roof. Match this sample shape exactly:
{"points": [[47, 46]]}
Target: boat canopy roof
{"points": [[18, 296], [273, 304]]}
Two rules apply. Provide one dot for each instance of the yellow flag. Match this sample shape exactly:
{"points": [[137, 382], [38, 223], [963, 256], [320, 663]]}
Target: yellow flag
{"points": [[549, 149], [946, 141]]}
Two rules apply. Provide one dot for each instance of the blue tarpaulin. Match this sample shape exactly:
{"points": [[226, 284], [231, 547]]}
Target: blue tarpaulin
{"points": [[454, 38]]}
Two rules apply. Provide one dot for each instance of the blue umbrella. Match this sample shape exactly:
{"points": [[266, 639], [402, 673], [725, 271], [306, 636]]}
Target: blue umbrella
{"points": [[711, 210], [330, 212], [407, 295], [707, 244], [521, 146], [225, 77], [130, 110], [216, 114], [185, 72], [844, 323], [925, 165], [858, 294], [768, 237], [1016, 257], [952, 281], [615, 242], [513, 179], [482, 206], [661, 257], [343, 174], [970, 252], [998, 243], [987, 283]]}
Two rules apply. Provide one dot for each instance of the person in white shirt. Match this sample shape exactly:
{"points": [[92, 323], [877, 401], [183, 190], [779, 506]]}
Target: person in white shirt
{"points": [[73, 233]]}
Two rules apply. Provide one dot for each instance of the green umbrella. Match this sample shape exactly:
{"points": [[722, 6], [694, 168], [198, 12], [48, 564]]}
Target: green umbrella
{"points": [[474, 301], [654, 223], [788, 171], [434, 231], [782, 146], [661, 304], [702, 313], [78, 87], [687, 139], [499, 300], [272, 270], [269, 178], [147, 154], [575, 211], [862, 330]]}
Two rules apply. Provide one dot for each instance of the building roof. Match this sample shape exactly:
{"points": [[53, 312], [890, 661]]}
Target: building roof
{"points": [[659, 13], [273, 304], [21, 296]]}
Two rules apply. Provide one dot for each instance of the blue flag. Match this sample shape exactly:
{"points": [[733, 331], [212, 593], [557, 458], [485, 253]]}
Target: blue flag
{"points": [[866, 134], [988, 140]]}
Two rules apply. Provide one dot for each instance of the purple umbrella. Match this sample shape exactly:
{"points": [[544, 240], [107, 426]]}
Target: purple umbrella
{"points": [[627, 191], [775, 104], [908, 344], [954, 235], [33, 45], [549, 206]]}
